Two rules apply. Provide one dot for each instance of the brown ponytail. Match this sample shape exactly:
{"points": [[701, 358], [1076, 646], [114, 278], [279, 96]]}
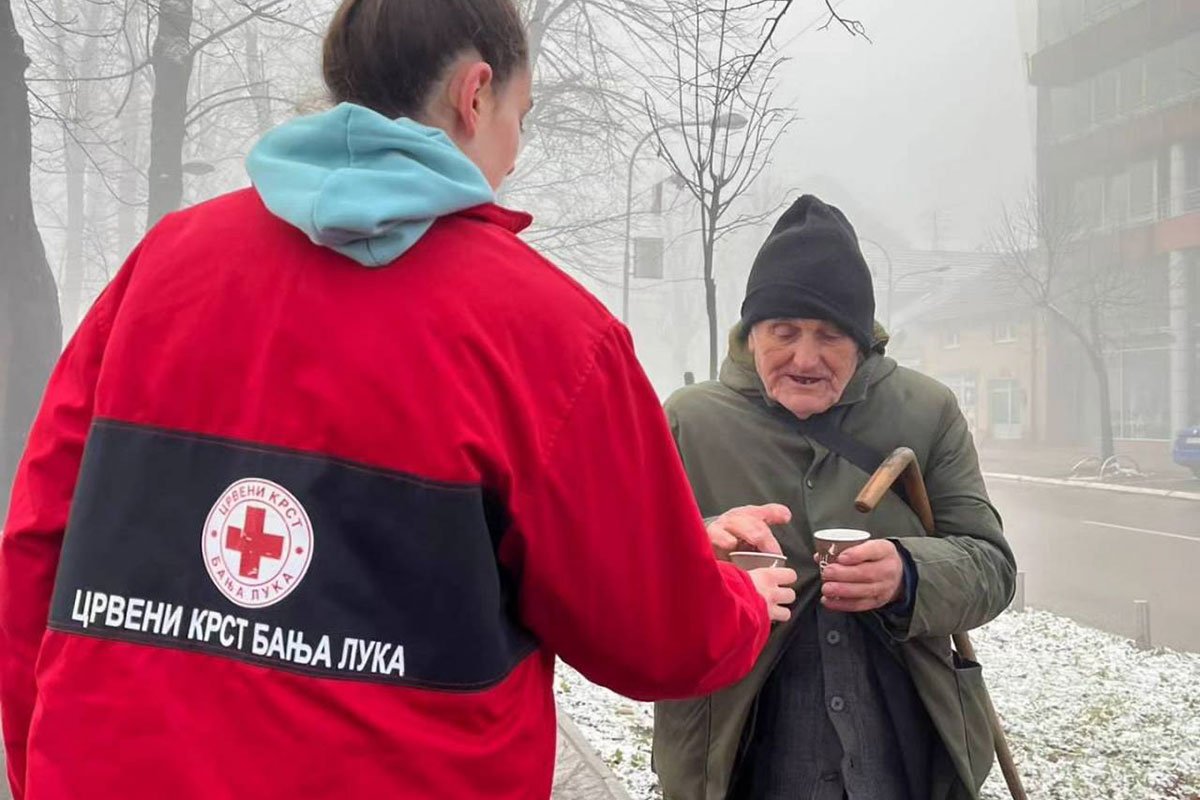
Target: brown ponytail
{"points": [[388, 54]]}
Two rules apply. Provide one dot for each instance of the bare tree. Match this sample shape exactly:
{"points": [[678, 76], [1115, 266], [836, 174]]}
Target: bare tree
{"points": [[30, 328], [74, 100], [172, 62], [588, 58], [181, 32], [591, 59], [715, 121], [1076, 276], [192, 71], [172, 58]]}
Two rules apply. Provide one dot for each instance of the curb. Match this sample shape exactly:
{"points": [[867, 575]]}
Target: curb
{"points": [[1107, 487], [612, 784]]}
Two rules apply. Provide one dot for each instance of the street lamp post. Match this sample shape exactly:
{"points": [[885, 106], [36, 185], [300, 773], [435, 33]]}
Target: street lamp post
{"points": [[629, 224], [731, 122]]}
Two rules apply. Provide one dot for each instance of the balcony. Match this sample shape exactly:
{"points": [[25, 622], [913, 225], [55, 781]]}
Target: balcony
{"points": [[1178, 228], [1162, 227], [1062, 19], [1093, 35], [1123, 138]]}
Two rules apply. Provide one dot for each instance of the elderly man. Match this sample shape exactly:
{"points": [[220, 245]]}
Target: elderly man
{"points": [[860, 695]]}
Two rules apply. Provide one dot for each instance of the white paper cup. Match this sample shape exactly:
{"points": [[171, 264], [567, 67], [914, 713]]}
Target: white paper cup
{"points": [[832, 542], [752, 559]]}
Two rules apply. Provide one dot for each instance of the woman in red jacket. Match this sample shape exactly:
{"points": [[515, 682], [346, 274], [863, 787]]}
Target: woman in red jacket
{"points": [[337, 465]]}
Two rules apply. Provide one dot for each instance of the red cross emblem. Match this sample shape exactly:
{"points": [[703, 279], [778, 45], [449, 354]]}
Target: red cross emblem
{"points": [[253, 542], [257, 542]]}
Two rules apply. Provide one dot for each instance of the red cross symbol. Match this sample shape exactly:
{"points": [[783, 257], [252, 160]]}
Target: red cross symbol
{"points": [[253, 543]]}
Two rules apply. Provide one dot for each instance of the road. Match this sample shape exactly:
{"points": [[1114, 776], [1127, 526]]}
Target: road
{"points": [[1088, 554]]}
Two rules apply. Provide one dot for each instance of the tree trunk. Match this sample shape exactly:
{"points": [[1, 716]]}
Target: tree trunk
{"points": [[1035, 422], [74, 112], [1096, 354], [536, 23], [130, 181], [1107, 448], [710, 307], [99, 259], [30, 326], [259, 89], [1094, 348], [709, 217], [129, 186], [172, 62], [76, 168]]}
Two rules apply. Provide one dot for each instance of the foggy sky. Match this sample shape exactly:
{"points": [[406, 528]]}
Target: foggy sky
{"points": [[935, 113]]}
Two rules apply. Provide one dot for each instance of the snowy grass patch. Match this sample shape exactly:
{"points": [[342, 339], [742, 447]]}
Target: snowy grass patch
{"points": [[1088, 715]]}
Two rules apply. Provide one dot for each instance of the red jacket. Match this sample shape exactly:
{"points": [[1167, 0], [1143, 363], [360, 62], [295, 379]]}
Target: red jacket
{"points": [[329, 526]]}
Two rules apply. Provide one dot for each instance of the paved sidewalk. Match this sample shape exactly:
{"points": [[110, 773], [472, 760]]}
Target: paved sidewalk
{"points": [[579, 773], [1042, 461]]}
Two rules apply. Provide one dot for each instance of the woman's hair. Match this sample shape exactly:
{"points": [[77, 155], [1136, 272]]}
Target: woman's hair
{"points": [[387, 55]]}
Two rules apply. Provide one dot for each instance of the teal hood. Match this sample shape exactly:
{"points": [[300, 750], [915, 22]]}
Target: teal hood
{"points": [[364, 185]]}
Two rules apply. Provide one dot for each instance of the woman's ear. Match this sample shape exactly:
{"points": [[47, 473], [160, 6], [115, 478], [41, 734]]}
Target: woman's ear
{"points": [[470, 89]]}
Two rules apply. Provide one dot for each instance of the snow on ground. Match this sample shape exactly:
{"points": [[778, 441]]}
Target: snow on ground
{"points": [[1088, 715]]}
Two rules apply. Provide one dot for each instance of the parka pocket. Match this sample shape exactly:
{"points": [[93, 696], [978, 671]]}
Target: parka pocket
{"points": [[972, 694]]}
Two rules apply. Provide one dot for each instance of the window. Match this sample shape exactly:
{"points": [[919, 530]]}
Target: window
{"points": [[1116, 199], [1141, 409], [1133, 86], [1162, 79], [1089, 201], [1070, 109], [1141, 191], [1058, 19], [1191, 177], [1064, 121], [950, 340], [1007, 401], [656, 199], [648, 257], [1188, 54], [1081, 101], [1004, 333], [963, 386], [1104, 96]]}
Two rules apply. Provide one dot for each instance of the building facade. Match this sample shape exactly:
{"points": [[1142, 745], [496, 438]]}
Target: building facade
{"points": [[966, 326], [1118, 100]]}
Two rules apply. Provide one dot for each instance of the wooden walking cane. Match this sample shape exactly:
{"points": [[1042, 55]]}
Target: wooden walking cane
{"points": [[902, 465]]}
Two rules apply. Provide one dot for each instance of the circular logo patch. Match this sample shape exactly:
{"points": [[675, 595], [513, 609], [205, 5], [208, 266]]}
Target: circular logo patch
{"points": [[258, 543]]}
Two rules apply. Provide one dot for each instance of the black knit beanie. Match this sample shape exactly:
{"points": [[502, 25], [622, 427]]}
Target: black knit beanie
{"points": [[811, 267]]}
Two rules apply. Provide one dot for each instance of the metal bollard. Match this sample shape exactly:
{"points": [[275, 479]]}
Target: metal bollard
{"points": [[1141, 616]]}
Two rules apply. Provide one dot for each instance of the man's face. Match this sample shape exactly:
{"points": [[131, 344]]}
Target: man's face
{"points": [[805, 364]]}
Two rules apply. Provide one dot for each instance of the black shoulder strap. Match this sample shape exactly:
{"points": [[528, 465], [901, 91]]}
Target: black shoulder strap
{"points": [[829, 433], [827, 430]]}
